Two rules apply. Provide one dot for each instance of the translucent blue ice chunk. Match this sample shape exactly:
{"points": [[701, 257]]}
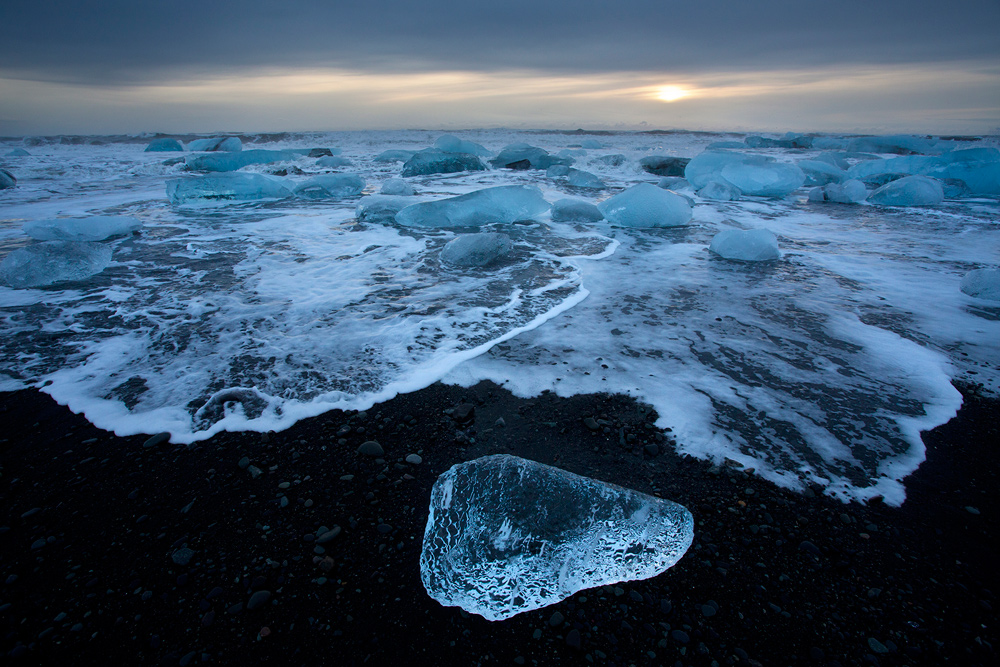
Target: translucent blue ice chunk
{"points": [[584, 179], [398, 187], [750, 245], [334, 162], [164, 145], [909, 191], [94, 228], [52, 262], [977, 168], [503, 204], [524, 156], [755, 175], [233, 161], [820, 172], [330, 186], [901, 144], [438, 162], [18, 152], [7, 179], [720, 191], [506, 535], [477, 249], [664, 165], [575, 210], [557, 171], [982, 284], [381, 208], [848, 192], [645, 205], [226, 144], [591, 144], [394, 155], [448, 143], [237, 187]]}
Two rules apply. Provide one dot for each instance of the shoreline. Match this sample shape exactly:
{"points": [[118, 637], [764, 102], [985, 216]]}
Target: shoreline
{"points": [[93, 526]]}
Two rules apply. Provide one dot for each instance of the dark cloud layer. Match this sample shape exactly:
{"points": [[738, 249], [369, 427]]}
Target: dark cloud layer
{"points": [[123, 41]]}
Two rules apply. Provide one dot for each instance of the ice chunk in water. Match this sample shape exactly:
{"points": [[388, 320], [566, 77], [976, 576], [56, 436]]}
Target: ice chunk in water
{"points": [[94, 228], [584, 179], [909, 191], [592, 144], [53, 262], [901, 144], [237, 160], [720, 191], [662, 165], [380, 208], [506, 203], [850, 192], [575, 210], [524, 156], [477, 249], [438, 162], [227, 144], [334, 162], [331, 186], [398, 187], [7, 179], [18, 152], [164, 145], [820, 172], [394, 155], [982, 284], [755, 175], [240, 187], [645, 205], [750, 245], [506, 535], [451, 144]]}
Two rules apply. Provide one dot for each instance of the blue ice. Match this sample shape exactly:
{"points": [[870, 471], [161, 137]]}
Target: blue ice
{"points": [[94, 228], [52, 262], [750, 245], [221, 187], [330, 186], [503, 204], [226, 144], [909, 191], [645, 205], [432, 161], [525, 156], [479, 250], [575, 210], [164, 145], [982, 284], [448, 143], [754, 175], [238, 160]]}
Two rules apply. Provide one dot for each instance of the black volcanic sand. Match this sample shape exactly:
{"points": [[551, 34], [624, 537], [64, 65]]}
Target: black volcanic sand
{"points": [[92, 525]]}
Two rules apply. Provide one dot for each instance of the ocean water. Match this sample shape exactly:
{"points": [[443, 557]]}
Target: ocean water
{"points": [[820, 367]]}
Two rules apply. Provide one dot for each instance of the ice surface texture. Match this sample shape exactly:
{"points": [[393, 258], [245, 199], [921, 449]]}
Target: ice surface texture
{"points": [[662, 165], [524, 156], [982, 284], [439, 162], [164, 145], [451, 144], [240, 187], [397, 187], [751, 245], [18, 152], [507, 203], [238, 160], [7, 179], [226, 144], [94, 228], [53, 262], [506, 535], [476, 249], [977, 168], [754, 175], [381, 208], [720, 191], [909, 191], [331, 186], [645, 205], [850, 192], [575, 210]]}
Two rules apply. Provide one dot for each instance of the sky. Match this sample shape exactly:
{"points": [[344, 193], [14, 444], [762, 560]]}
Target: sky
{"points": [[179, 66]]}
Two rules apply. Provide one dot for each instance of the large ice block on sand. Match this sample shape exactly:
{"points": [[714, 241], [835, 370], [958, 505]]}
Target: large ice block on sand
{"points": [[524, 156], [506, 203], [476, 249], [754, 175], [438, 162], [7, 179], [449, 143], [750, 245], [233, 161], [237, 187], [645, 205], [982, 284], [94, 228], [575, 210], [977, 168], [330, 186], [227, 144], [53, 262], [164, 145], [506, 535], [909, 191]]}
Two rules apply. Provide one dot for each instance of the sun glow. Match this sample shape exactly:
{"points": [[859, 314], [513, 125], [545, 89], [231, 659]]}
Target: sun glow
{"points": [[671, 93]]}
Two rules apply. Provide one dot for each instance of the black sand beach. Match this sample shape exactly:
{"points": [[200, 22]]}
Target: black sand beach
{"points": [[93, 526]]}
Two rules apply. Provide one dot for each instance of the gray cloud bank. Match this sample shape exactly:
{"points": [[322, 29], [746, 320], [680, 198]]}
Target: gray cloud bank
{"points": [[127, 42]]}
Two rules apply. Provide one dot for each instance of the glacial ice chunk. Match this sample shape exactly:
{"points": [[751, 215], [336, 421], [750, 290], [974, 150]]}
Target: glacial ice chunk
{"points": [[506, 203], [449, 143], [977, 168], [94, 228], [754, 175], [237, 160], [592, 144], [330, 186], [909, 191], [477, 249], [524, 156], [849, 192], [900, 144], [7, 179], [982, 284], [238, 187], [720, 191], [334, 162], [575, 210], [432, 161], [380, 208], [397, 187], [584, 179], [52, 262], [506, 535], [662, 165], [18, 152], [820, 172], [163, 145], [750, 245], [645, 205], [394, 155], [226, 144]]}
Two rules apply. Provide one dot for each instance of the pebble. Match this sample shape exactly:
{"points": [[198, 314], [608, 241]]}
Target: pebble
{"points": [[157, 439], [971, 510], [328, 535], [182, 556], [244, 462], [258, 599], [591, 423], [680, 636], [573, 638], [414, 459], [254, 471], [370, 448], [652, 449], [556, 619], [877, 646]]}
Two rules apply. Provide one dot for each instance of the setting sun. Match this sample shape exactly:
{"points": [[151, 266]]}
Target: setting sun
{"points": [[671, 93]]}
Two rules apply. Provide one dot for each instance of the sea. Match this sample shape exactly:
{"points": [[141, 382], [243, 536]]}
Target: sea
{"points": [[821, 367]]}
